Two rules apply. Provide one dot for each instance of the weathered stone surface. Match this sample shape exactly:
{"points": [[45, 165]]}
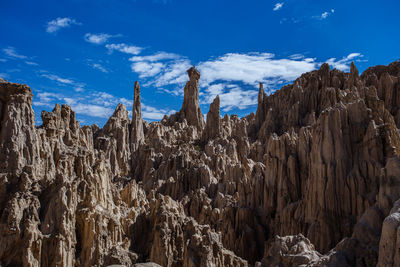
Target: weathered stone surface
{"points": [[291, 251], [311, 179], [212, 129], [191, 106], [137, 134]]}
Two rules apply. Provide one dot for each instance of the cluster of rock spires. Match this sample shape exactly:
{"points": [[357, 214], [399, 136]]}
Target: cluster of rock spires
{"points": [[311, 179]]}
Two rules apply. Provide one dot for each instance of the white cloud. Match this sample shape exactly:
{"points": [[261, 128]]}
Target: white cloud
{"points": [[231, 96], [170, 68], [278, 6], [155, 57], [54, 25], [12, 53], [297, 56], [124, 48], [77, 86], [44, 99], [344, 63], [152, 113], [92, 110], [56, 78], [3, 60], [221, 75], [252, 68], [31, 63], [99, 38], [99, 67], [325, 14], [175, 73], [147, 69]]}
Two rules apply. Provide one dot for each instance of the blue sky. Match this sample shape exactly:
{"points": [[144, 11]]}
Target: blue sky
{"points": [[89, 53]]}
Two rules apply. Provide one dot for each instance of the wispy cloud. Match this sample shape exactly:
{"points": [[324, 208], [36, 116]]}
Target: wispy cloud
{"points": [[79, 89], [99, 67], [56, 78], [344, 63], [124, 48], [304, 19], [31, 63], [278, 6], [78, 86], [147, 69], [170, 68], [3, 60], [155, 57], [325, 14], [55, 25], [97, 38], [11, 52]]}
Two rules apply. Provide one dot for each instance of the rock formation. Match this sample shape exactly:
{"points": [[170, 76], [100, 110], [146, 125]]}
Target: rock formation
{"points": [[191, 106], [311, 179], [137, 135], [212, 129]]}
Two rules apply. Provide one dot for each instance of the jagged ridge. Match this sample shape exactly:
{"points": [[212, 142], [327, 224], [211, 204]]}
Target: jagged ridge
{"points": [[319, 162]]}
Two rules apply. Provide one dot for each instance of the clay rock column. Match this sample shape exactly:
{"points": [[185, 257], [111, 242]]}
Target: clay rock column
{"points": [[213, 124], [260, 113], [191, 107], [137, 135]]}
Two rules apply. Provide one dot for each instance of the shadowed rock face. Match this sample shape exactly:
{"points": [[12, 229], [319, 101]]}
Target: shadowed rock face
{"points": [[312, 178], [213, 126], [190, 110]]}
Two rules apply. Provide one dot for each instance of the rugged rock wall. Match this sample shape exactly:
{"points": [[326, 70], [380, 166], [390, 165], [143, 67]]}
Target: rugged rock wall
{"points": [[308, 179]]}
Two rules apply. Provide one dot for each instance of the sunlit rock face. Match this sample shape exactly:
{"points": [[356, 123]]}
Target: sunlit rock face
{"points": [[313, 178]]}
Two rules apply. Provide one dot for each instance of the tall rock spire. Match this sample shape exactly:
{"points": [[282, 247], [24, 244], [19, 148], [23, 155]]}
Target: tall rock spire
{"points": [[324, 74], [137, 135], [260, 113], [191, 107], [353, 78], [213, 124]]}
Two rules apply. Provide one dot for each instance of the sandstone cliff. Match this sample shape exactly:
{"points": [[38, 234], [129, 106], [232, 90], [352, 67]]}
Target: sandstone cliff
{"points": [[311, 179]]}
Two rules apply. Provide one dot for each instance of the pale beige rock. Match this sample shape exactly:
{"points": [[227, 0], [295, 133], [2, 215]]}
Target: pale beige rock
{"points": [[190, 110], [318, 165], [291, 251], [212, 129], [137, 134], [389, 245]]}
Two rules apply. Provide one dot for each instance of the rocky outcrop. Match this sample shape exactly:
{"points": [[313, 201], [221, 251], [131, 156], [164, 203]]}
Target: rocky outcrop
{"points": [[312, 179], [291, 251], [389, 245], [113, 141], [173, 239]]}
